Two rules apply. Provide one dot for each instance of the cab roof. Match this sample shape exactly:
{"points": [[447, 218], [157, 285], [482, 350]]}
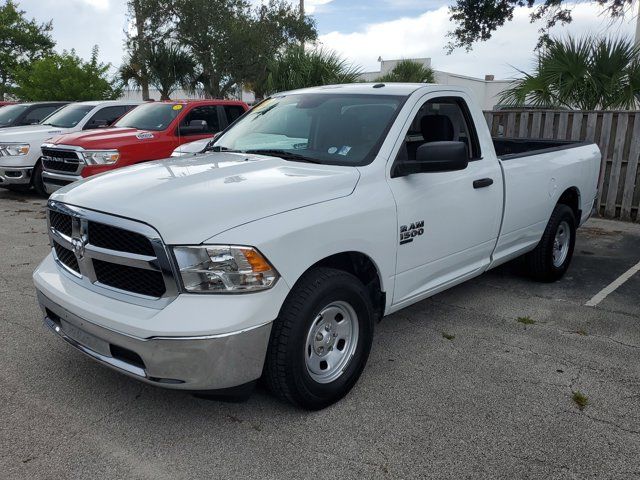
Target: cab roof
{"points": [[376, 88]]}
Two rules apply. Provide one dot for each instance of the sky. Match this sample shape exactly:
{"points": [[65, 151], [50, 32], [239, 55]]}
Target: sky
{"points": [[361, 31]]}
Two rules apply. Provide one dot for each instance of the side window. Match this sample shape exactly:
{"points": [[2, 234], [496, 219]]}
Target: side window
{"points": [[233, 112], [441, 119], [200, 121], [105, 117], [38, 114]]}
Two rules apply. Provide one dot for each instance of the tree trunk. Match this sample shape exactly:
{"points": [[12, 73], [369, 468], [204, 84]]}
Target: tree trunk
{"points": [[142, 49]]}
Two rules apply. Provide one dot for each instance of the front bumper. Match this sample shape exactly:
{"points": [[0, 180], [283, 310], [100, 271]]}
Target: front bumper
{"points": [[15, 176], [210, 362], [55, 181]]}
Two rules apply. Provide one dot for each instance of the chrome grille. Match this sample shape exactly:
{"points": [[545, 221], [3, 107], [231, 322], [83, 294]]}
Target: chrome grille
{"points": [[118, 257], [61, 160]]}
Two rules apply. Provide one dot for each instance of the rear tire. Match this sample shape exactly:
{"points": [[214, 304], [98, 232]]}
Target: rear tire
{"points": [[36, 180], [321, 340], [551, 258]]}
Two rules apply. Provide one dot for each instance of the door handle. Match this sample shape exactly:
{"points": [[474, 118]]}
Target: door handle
{"points": [[483, 182]]}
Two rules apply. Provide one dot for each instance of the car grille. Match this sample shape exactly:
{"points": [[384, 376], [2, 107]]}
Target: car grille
{"points": [[111, 253], [61, 160]]}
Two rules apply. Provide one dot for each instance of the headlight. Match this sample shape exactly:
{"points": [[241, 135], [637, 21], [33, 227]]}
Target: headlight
{"points": [[224, 269], [13, 149], [99, 157]]}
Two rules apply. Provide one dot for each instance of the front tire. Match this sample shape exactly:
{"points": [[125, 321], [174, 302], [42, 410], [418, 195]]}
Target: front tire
{"points": [[551, 258], [36, 180], [321, 340]]}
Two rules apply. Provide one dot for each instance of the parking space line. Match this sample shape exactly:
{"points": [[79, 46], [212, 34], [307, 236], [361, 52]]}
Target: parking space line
{"points": [[602, 294]]}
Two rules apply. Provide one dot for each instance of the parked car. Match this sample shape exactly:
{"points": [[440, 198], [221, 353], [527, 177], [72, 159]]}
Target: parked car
{"points": [[20, 165], [150, 132], [5, 103], [321, 211], [22, 114]]}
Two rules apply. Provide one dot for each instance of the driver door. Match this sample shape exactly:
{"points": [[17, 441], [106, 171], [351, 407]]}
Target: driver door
{"points": [[448, 222]]}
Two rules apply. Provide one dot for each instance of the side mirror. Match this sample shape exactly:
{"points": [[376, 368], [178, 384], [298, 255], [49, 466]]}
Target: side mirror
{"points": [[435, 157], [93, 124], [195, 127]]}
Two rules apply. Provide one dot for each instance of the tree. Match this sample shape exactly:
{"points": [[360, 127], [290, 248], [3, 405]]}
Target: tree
{"points": [[150, 21], [409, 71], [66, 77], [21, 41], [232, 42], [169, 67], [588, 74], [476, 20], [300, 68]]}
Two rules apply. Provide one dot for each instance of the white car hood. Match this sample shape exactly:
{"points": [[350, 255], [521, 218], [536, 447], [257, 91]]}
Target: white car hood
{"points": [[29, 133], [189, 200]]}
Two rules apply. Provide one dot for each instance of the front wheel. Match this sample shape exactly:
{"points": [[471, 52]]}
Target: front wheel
{"points": [[321, 340], [551, 258], [36, 180]]}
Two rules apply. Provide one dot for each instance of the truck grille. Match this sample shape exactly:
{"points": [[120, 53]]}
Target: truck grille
{"points": [[115, 255], [61, 160]]}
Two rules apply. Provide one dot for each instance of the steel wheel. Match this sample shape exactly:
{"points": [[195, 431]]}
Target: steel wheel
{"points": [[331, 342], [561, 244]]}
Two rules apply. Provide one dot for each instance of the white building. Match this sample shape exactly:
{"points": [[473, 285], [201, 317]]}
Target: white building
{"points": [[487, 90], [154, 94]]}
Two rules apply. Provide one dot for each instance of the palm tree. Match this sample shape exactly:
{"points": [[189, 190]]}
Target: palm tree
{"points": [[168, 67], [409, 71], [588, 74], [298, 67]]}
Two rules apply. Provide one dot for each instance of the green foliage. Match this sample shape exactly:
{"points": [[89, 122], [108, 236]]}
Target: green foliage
{"points": [[167, 67], [588, 74], [66, 77], [21, 41], [525, 320], [580, 399], [230, 41], [476, 20], [297, 67], [409, 71]]}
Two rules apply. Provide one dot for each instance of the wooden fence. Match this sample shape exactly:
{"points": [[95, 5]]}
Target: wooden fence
{"points": [[617, 134]]}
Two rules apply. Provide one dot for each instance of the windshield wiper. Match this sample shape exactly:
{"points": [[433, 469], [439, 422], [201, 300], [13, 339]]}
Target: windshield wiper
{"points": [[284, 154]]}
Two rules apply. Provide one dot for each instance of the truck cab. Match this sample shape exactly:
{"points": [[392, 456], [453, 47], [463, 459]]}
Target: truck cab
{"points": [[33, 113], [150, 132]]}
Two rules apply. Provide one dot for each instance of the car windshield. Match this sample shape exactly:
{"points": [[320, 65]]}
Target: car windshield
{"points": [[337, 129], [151, 116], [68, 117], [9, 113]]}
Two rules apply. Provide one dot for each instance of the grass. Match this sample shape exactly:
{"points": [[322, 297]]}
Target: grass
{"points": [[448, 336], [582, 332], [580, 399], [525, 320]]}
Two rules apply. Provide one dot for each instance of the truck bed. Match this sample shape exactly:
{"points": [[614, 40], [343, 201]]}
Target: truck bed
{"points": [[507, 148]]}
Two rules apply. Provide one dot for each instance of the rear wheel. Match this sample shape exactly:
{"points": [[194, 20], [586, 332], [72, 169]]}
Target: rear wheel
{"points": [[321, 340], [551, 258], [36, 180]]}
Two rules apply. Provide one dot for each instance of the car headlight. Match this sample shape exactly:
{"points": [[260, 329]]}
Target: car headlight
{"points": [[13, 149], [101, 157], [224, 269]]}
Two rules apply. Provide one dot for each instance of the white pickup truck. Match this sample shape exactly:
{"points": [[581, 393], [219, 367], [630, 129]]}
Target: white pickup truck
{"points": [[318, 213], [20, 166]]}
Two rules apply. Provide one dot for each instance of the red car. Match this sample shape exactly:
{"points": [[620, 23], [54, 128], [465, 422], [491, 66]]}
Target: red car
{"points": [[148, 132], [3, 103]]}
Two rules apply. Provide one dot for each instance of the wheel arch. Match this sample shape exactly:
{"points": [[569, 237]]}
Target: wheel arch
{"points": [[363, 267], [571, 198]]}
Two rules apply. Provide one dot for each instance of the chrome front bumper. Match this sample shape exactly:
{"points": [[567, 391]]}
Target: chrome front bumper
{"points": [[188, 363], [15, 176], [55, 181]]}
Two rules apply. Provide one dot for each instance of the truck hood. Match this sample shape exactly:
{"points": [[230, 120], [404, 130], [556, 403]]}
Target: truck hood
{"points": [[104, 138], [28, 133], [189, 200]]}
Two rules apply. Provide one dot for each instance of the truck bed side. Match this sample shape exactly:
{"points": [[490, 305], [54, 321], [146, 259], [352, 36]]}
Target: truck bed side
{"points": [[534, 182]]}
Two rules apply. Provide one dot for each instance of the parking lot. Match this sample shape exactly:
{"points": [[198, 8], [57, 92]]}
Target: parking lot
{"points": [[476, 382]]}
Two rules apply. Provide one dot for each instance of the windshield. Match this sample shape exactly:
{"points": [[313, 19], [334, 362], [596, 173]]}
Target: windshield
{"points": [[68, 117], [339, 129], [151, 116], [9, 113]]}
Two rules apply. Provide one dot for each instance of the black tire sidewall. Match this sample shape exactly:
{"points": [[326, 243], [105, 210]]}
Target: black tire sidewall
{"points": [[36, 179], [562, 214], [344, 288]]}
